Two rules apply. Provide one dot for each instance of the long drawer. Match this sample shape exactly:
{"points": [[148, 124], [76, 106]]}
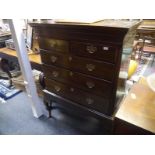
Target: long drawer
{"points": [[93, 50], [81, 97], [88, 66], [93, 85]]}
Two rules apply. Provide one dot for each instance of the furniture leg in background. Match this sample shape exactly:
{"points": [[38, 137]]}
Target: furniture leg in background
{"points": [[5, 68]]}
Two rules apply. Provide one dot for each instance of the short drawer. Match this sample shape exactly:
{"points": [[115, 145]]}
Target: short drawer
{"points": [[54, 45], [82, 81], [97, 51], [79, 96], [91, 67]]}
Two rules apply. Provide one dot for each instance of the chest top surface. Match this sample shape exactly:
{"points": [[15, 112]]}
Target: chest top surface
{"points": [[124, 24]]}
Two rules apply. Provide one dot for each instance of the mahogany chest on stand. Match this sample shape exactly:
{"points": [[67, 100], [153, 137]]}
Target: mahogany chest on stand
{"points": [[85, 65]]}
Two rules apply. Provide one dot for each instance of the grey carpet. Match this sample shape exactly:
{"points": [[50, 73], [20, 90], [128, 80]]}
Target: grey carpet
{"points": [[16, 119]]}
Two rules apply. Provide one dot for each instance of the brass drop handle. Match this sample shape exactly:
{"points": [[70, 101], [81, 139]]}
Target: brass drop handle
{"points": [[72, 89], [57, 88], [71, 73], [89, 100], [52, 43], [55, 73], [90, 84], [91, 49], [54, 59], [70, 58], [90, 67]]}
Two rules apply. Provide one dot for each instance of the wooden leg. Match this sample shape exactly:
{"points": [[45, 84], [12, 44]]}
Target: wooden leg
{"points": [[49, 107], [106, 127], [5, 68]]}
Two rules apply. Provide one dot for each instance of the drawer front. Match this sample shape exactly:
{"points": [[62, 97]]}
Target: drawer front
{"points": [[93, 85], [81, 97], [88, 66], [94, 50], [54, 45], [91, 50]]}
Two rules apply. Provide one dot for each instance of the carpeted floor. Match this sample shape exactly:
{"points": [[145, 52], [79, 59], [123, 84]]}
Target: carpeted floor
{"points": [[16, 119]]}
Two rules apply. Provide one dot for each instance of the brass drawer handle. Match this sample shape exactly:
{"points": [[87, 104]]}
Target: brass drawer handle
{"points": [[70, 58], [90, 67], [91, 49], [105, 48], [52, 43], [89, 100], [71, 73], [90, 84], [72, 89], [55, 73], [57, 88], [54, 59]]}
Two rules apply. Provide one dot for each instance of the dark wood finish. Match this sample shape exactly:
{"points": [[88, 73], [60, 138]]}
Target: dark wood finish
{"points": [[92, 67], [35, 43], [78, 108], [77, 95], [82, 63], [54, 45], [91, 84], [95, 50], [111, 31]]}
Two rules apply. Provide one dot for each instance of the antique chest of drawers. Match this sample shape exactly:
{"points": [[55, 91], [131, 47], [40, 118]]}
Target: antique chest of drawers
{"points": [[85, 65]]}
